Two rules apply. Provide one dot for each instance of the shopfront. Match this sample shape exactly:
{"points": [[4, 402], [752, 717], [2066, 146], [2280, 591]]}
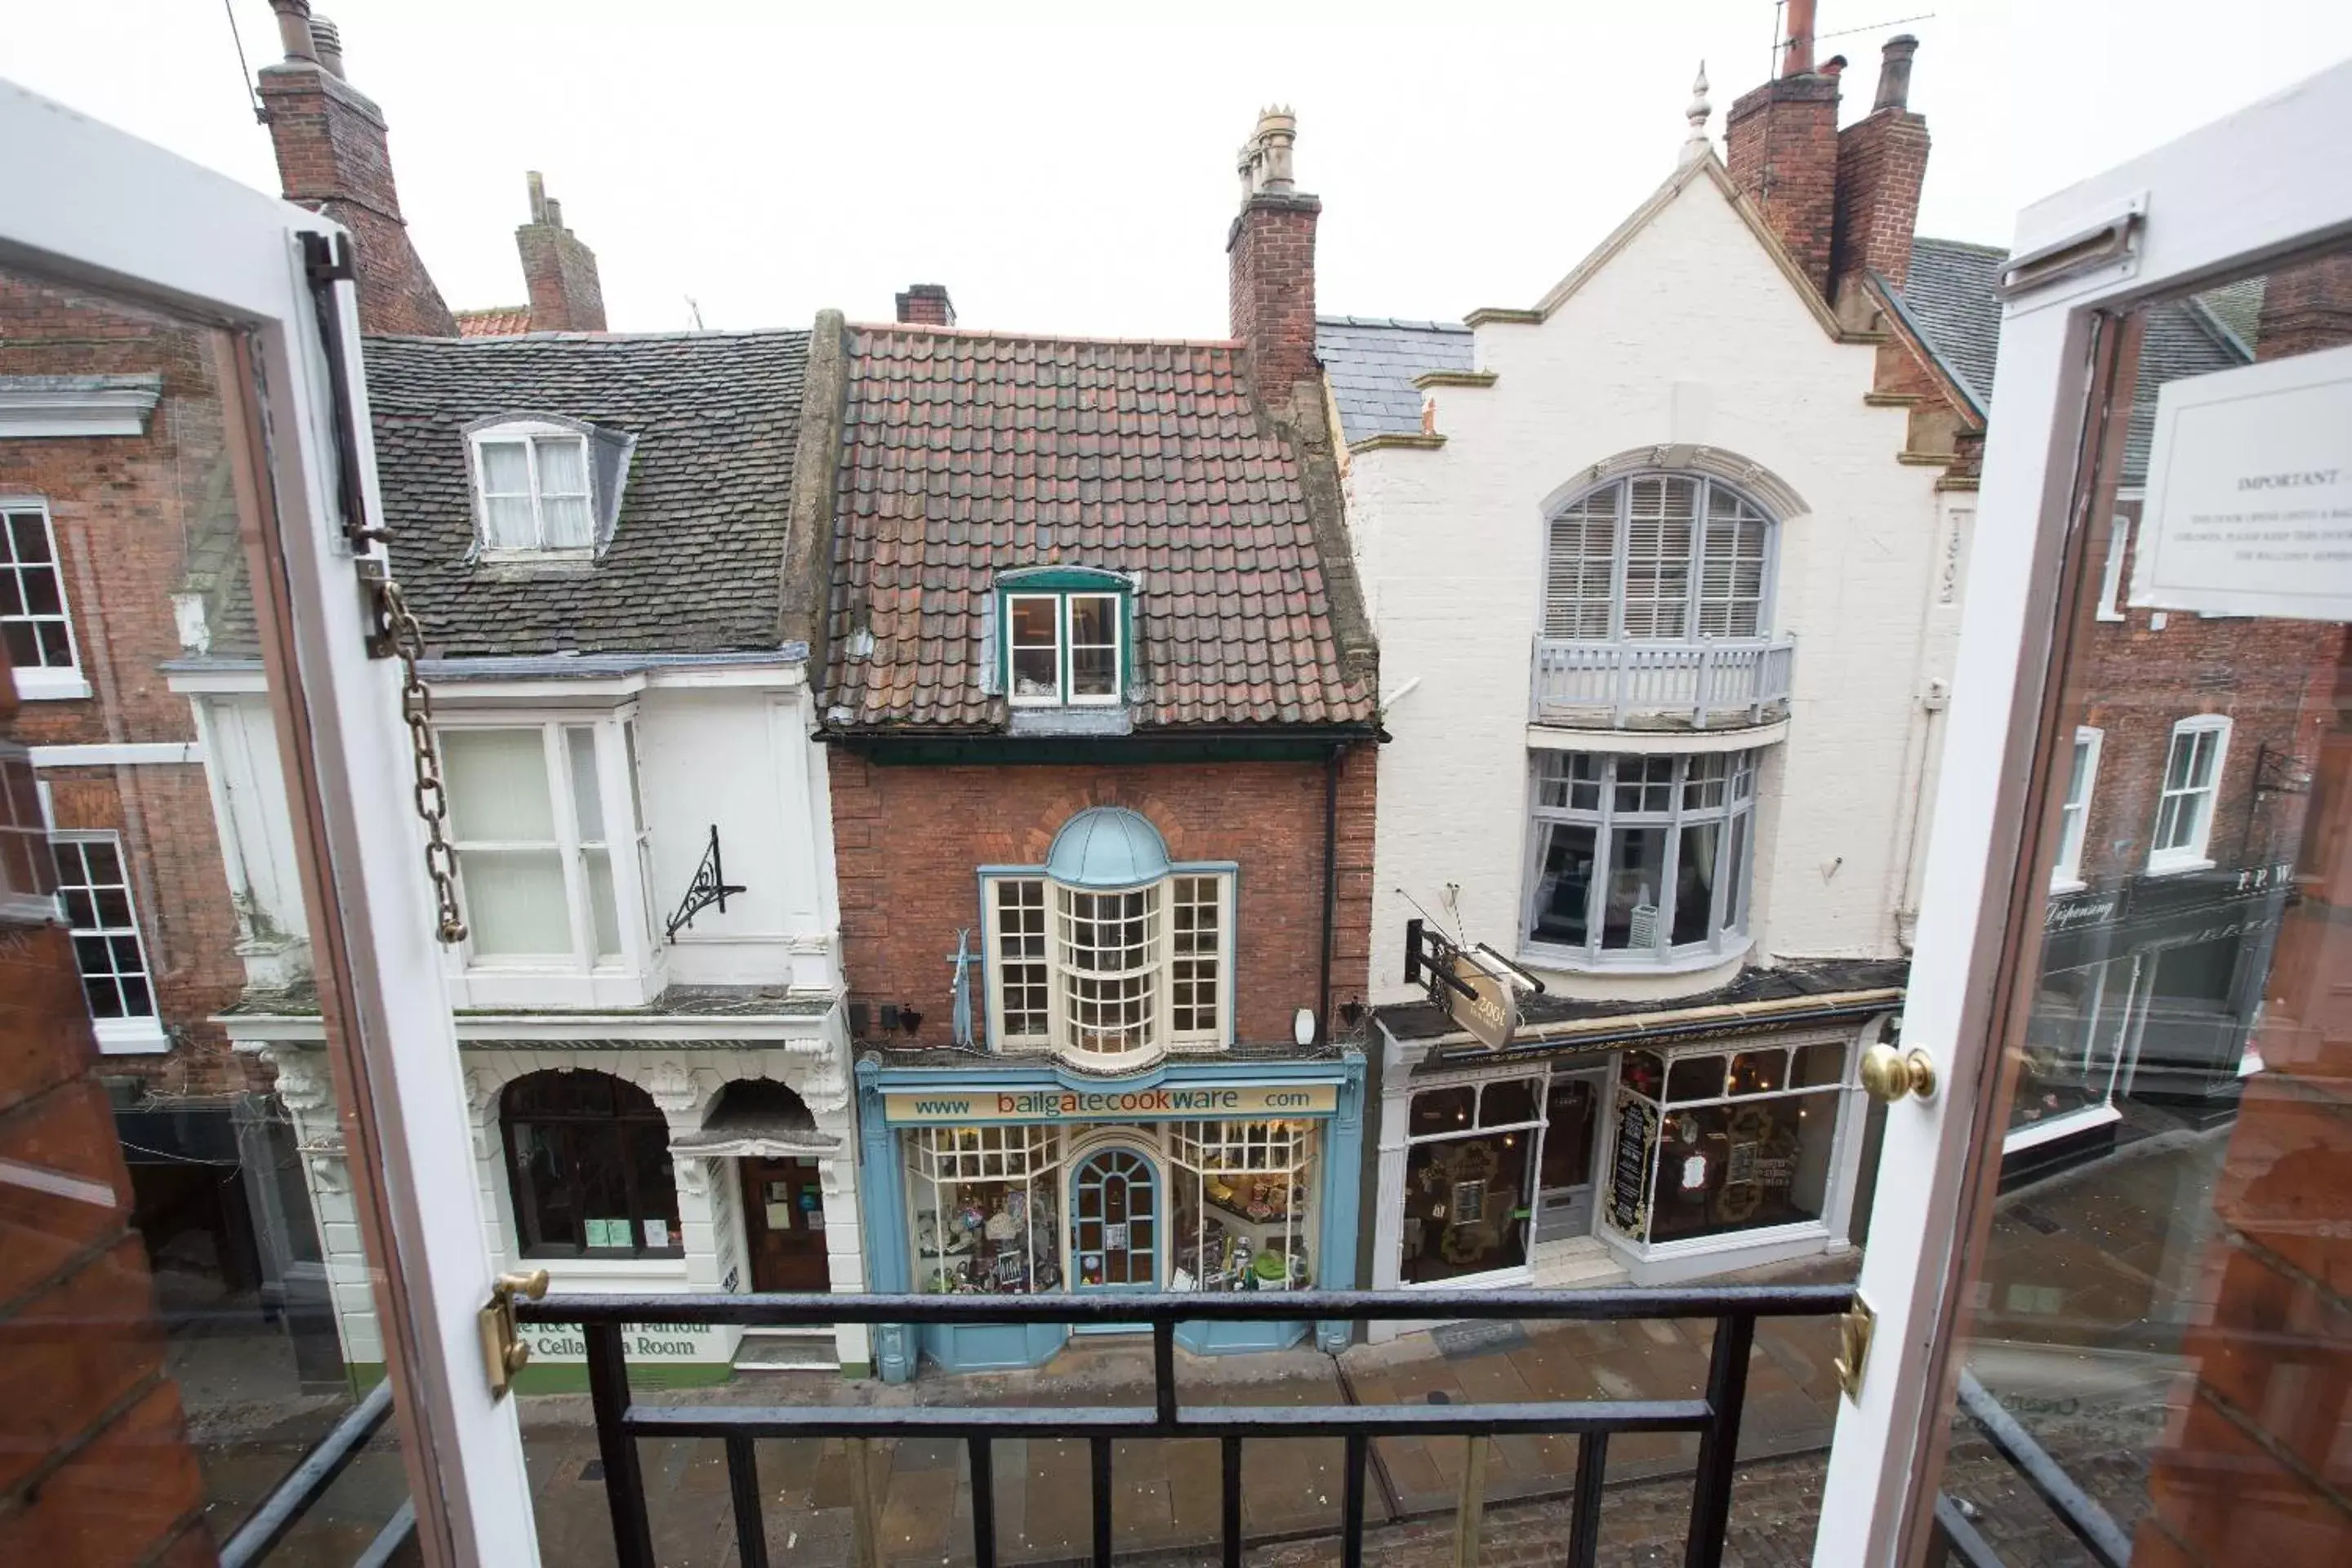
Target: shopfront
{"points": [[1029, 1179]]}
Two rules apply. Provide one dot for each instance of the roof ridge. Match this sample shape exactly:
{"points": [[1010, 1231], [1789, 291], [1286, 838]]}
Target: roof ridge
{"points": [[925, 328], [1405, 322], [681, 336], [1977, 245]]}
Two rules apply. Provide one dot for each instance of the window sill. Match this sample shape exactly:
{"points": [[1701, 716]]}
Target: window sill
{"points": [[131, 1036], [50, 686], [1574, 961], [2035, 1134], [2059, 885], [1726, 1241], [570, 554], [2182, 867]]}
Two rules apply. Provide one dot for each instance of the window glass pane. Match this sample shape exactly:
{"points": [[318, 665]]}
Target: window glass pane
{"points": [[1694, 882], [1443, 1111], [1094, 645], [1731, 576], [604, 908], [1466, 1203], [545, 1207], [1035, 640], [506, 469], [1739, 1166], [511, 522], [497, 785], [1759, 1072], [587, 792], [32, 603], [562, 466], [515, 902], [1194, 968], [1580, 568], [568, 522], [1695, 1078], [636, 788], [1643, 1072], [1645, 784], [1637, 871], [1659, 532], [28, 537], [1511, 1100], [1563, 883], [1820, 1063], [1569, 1107], [1735, 877], [106, 942], [655, 1181], [1020, 958]]}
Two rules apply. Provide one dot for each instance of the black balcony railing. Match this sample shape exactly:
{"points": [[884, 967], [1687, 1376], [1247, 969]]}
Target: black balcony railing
{"points": [[621, 1421], [2076, 1510], [284, 1507]]}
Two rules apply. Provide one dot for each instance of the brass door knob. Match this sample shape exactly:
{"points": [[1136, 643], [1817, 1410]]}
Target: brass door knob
{"points": [[1889, 1074]]}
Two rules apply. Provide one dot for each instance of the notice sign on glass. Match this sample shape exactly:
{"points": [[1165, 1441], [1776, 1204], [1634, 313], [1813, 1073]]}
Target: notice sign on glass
{"points": [[2249, 509]]}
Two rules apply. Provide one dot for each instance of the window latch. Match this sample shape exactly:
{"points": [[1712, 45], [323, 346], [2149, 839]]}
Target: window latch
{"points": [[503, 1351]]}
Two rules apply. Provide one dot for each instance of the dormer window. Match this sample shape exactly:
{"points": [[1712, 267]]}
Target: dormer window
{"points": [[1065, 638], [546, 485]]}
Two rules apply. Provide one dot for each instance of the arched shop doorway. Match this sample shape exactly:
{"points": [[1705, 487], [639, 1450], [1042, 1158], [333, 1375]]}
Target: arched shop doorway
{"points": [[1115, 1220]]}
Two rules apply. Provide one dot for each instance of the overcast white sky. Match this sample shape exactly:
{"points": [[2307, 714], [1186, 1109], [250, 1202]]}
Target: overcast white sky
{"points": [[1077, 176]]}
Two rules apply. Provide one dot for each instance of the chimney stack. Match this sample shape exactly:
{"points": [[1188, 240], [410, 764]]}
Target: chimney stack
{"points": [[1781, 142], [566, 295], [1270, 253], [926, 305], [335, 158], [1882, 164]]}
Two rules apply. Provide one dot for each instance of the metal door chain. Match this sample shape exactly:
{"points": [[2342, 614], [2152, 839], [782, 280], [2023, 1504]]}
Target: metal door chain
{"points": [[400, 635]]}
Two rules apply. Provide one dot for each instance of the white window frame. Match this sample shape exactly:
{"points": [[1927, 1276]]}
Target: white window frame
{"points": [[2190, 854], [1694, 566], [2075, 812], [2111, 575], [527, 434], [1066, 694], [1163, 1035], [1013, 694], [133, 1033], [44, 682], [581, 977]]}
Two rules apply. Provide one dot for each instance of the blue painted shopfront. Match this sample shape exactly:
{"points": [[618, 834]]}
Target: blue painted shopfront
{"points": [[1031, 1179]]}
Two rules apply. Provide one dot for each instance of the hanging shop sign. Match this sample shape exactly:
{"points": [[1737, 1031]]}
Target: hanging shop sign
{"points": [[1469, 983], [1165, 1102], [1629, 1170]]}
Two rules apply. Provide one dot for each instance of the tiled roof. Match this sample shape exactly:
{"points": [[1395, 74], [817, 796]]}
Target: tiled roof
{"points": [[1370, 362], [494, 321], [969, 454], [1953, 293], [697, 560]]}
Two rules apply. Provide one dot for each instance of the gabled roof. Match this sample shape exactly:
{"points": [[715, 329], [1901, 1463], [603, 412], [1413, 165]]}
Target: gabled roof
{"points": [[696, 563], [494, 321], [1953, 297], [965, 455], [1371, 362]]}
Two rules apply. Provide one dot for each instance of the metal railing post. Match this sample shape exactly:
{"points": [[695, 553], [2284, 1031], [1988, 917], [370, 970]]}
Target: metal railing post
{"points": [[1719, 1445], [1470, 1504], [983, 1504], [624, 1483], [865, 1513], [743, 1489], [1230, 1525], [1101, 1456], [1584, 1528], [1357, 1449]]}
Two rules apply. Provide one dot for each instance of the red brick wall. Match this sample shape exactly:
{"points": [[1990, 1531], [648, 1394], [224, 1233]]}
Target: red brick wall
{"points": [[334, 156], [94, 1461], [566, 295], [1271, 288], [1882, 161], [908, 842], [1783, 145]]}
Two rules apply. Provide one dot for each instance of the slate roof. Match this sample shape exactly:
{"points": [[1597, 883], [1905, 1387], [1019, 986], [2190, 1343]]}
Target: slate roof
{"points": [[966, 454], [695, 562], [1953, 295], [1370, 362], [494, 321]]}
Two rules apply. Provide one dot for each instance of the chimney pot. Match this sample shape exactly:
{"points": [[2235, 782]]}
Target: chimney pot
{"points": [[553, 211], [566, 295], [294, 31], [1895, 73], [537, 183], [1834, 66], [1270, 257], [927, 305], [328, 39], [1797, 58]]}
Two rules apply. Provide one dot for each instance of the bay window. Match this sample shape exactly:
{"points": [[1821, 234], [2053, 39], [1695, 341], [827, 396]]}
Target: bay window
{"points": [[1639, 858], [985, 1206], [1244, 1213]]}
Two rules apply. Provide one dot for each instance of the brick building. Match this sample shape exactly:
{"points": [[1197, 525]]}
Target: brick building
{"points": [[1666, 573], [1100, 695]]}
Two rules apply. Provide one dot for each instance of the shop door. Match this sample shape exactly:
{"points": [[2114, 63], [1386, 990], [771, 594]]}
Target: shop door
{"points": [[784, 1224], [2152, 712], [1114, 1222], [1571, 1116]]}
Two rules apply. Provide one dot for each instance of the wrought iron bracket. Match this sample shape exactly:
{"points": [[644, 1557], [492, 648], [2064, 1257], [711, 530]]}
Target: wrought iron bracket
{"points": [[710, 887], [1429, 956]]}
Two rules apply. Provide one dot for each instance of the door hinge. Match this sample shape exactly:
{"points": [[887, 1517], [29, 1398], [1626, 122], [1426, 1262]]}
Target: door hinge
{"points": [[1855, 1327], [503, 1351]]}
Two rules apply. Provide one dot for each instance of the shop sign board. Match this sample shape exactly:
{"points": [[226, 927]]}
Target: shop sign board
{"points": [[1164, 1102], [1491, 1011], [2249, 508], [1629, 1169], [639, 1342]]}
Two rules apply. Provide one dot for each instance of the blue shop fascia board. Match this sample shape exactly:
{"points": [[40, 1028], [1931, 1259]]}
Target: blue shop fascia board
{"points": [[898, 1347]]}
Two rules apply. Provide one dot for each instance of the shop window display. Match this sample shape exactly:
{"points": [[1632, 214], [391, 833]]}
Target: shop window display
{"points": [[1735, 1143], [1244, 1203], [985, 1201], [1469, 1187]]}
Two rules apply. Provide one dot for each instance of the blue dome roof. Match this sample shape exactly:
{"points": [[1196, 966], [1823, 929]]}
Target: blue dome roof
{"points": [[1106, 847]]}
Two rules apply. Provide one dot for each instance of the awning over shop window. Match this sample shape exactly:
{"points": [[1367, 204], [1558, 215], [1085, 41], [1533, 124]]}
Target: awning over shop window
{"points": [[755, 1118]]}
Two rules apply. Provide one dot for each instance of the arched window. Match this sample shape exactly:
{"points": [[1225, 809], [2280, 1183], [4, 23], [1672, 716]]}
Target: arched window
{"points": [[588, 1155], [1665, 557], [1109, 952]]}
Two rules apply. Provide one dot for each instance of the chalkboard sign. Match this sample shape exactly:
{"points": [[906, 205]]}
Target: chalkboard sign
{"points": [[1629, 1173]]}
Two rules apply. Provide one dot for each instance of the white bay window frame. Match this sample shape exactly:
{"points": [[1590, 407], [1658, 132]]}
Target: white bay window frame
{"points": [[1031, 928], [2186, 794], [631, 972]]}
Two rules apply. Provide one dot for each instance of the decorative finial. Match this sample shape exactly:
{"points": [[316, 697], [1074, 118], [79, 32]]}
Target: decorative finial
{"points": [[1696, 146]]}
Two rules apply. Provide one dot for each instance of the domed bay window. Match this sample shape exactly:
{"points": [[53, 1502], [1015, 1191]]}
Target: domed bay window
{"points": [[1110, 954]]}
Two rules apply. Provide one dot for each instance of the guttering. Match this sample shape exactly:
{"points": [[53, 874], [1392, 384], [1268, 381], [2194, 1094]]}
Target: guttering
{"points": [[1633, 1028]]}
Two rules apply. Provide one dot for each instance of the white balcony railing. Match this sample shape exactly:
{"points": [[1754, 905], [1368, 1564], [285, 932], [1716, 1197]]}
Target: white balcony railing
{"points": [[1711, 684]]}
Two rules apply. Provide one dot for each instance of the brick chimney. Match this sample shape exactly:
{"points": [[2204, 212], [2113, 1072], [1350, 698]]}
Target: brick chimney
{"points": [[1882, 162], [927, 305], [2305, 308], [559, 271], [1270, 251], [333, 157], [1781, 141]]}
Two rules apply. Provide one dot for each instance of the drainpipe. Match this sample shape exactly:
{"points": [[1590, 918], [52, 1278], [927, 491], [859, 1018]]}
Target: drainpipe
{"points": [[1330, 889]]}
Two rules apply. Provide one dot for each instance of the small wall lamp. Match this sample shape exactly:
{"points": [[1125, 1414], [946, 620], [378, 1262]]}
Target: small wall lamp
{"points": [[1302, 1027]]}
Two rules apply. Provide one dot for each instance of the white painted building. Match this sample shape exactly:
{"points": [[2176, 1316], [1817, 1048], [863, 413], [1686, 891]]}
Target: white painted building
{"points": [[606, 543], [1666, 592]]}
